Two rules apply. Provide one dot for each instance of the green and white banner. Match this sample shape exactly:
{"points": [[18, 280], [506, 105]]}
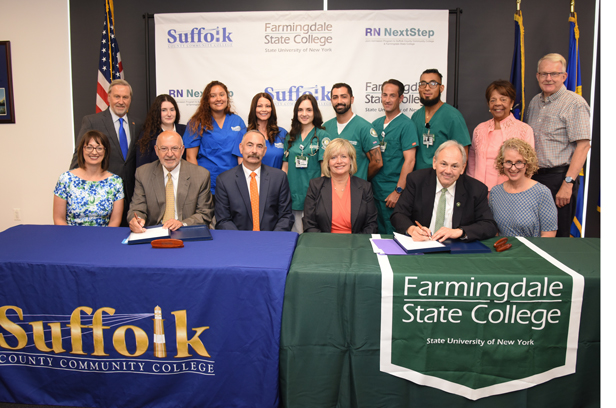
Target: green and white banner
{"points": [[480, 325]]}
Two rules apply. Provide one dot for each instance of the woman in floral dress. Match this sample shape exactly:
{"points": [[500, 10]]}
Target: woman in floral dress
{"points": [[89, 194]]}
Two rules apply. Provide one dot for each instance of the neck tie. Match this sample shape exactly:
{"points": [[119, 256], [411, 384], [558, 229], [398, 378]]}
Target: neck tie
{"points": [[254, 201], [123, 141], [440, 211], [169, 201]]}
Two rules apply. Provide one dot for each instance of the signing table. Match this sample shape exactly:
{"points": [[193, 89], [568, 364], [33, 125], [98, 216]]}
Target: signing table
{"points": [[88, 321], [332, 347]]}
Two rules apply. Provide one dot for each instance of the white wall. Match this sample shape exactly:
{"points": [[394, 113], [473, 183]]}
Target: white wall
{"points": [[38, 147]]}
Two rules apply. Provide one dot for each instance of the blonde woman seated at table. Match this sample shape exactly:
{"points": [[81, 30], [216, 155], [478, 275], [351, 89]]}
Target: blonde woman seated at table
{"points": [[89, 194], [522, 206], [338, 202], [490, 135]]}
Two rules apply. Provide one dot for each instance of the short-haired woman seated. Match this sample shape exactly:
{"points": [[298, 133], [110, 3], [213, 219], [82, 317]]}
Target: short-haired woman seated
{"points": [[89, 194], [522, 206], [338, 202]]}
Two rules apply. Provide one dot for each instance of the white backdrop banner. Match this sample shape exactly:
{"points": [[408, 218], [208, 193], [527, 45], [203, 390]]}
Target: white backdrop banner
{"points": [[288, 54]]}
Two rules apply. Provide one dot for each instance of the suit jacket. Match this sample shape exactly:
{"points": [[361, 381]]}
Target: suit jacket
{"points": [[318, 206], [471, 211], [193, 198], [233, 209], [103, 122]]}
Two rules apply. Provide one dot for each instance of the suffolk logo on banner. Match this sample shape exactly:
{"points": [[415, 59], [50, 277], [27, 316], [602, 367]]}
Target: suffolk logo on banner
{"points": [[90, 340], [288, 54], [478, 333]]}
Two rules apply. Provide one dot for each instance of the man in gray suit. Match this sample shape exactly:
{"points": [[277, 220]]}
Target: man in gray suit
{"points": [[170, 191], [121, 131]]}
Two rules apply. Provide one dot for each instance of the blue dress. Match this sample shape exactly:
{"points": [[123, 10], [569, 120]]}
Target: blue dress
{"points": [[274, 153], [89, 202], [215, 146], [524, 214]]}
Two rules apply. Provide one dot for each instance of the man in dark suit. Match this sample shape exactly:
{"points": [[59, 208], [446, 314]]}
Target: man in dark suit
{"points": [[444, 200], [121, 132], [170, 191], [253, 196]]}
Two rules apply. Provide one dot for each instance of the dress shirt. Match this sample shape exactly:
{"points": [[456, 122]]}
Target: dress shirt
{"points": [[175, 174], [449, 196], [248, 178], [116, 125], [558, 121]]}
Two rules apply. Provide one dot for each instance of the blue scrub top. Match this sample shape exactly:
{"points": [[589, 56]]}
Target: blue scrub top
{"points": [[216, 145], [274, 153]]}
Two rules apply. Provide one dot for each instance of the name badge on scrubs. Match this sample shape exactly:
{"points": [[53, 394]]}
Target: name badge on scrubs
{"points": [[301, 162], [428, 138], [279, 145], [383, 146]]}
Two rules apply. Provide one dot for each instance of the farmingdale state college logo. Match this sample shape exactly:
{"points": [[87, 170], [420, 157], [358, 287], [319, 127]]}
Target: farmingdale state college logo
{"points": [[479, 333]]}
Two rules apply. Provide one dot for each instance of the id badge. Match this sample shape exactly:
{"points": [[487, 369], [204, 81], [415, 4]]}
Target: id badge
{"points": [[383, 146], [428, 139], [301, 162]]}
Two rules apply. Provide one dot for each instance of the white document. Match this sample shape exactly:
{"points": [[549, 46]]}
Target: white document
{"points": [[150, 233], [408, 244]]}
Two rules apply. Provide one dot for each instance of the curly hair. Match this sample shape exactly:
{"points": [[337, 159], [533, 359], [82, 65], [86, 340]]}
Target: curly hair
{"points": [[202, 119], [524, 149], [153, 121], [272, 122], [502, 87], [296, 125]]}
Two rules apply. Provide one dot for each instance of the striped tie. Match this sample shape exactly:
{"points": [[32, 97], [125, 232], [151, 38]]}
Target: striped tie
{"points": [[254, 201], [169, 201]]}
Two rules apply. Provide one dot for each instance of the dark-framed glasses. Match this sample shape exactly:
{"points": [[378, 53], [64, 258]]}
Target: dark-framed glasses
{"points": [[165, 149], [433, 84], [518, 165], [99, 149], [544, 75]]}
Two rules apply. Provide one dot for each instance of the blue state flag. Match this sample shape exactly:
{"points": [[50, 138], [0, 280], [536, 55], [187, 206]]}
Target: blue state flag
{"points": [[517, 67], [574, 84]]}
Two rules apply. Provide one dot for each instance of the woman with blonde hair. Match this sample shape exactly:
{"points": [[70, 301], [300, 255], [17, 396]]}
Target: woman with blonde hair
{"points": [[339, 202], [521, 206]]}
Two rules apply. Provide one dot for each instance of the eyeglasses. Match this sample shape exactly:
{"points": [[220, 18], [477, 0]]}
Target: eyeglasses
{"points": [[518, 164], [164, 150], [555, 75], [99, 149], [433, 84]]}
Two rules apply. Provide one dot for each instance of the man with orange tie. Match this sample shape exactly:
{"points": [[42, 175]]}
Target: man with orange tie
{"points": [[170, 191], [253, 196]]}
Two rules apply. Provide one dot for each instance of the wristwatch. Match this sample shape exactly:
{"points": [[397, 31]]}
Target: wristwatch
{"points": [[399, 190], [569, 180]]}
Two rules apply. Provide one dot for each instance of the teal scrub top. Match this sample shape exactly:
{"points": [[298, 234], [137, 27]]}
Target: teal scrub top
{"points": [[399, 136], [446, 124], [360, 134], [299, 178]]}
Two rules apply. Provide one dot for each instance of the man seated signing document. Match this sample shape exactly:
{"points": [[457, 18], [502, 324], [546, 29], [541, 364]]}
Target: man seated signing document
{"points": [[253, 196], [170, 191], [445, 202]]}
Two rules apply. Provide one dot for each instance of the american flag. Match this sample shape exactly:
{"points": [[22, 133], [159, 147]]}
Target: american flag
{"points": [[110, 63]]}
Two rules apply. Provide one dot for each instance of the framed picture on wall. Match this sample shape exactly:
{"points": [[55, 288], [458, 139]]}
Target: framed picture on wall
{"points": [[7, 105]]}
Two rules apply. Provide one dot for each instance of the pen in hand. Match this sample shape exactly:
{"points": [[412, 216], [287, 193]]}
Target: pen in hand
{"points": [[424, 228]]}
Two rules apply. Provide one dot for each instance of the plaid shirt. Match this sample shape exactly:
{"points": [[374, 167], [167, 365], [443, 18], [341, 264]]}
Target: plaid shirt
{"points": [[558, 121]]}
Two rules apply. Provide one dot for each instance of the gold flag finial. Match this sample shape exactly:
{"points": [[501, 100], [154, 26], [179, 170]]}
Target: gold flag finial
{"points": [[572, 6], [517, 5]]}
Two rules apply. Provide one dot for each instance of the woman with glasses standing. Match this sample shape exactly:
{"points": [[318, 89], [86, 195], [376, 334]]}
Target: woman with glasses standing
{"points": [[302, 148], [89, 194], [521, 206], [490, 135], [436, 121]]}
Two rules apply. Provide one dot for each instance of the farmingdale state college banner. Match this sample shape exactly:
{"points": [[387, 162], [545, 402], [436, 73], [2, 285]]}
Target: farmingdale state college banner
{"points": [[290, 53], [478, 329]]}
